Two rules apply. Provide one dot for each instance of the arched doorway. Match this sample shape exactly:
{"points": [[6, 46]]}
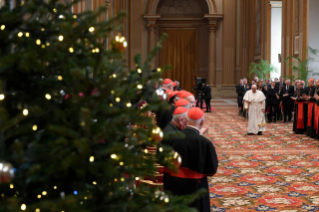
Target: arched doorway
{"points": [[190, 48]]}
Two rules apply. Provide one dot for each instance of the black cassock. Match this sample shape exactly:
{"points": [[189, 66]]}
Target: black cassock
{"points": [[313, 132], [164, 117], [199, 160], [299, 127]]}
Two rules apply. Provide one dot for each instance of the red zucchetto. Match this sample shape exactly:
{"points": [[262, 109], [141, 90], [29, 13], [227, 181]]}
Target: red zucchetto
{"points": [[181, 102], [195, 113], [180, 110], [185, 94], [167, 81], [173, 93], [312, 80]]}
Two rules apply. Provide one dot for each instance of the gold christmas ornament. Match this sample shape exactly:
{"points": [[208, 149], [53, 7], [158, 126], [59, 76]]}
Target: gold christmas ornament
{"points": [[157, 134], [119, 43], [6, 172]]}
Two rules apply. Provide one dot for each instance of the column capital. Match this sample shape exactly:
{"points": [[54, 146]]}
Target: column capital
{"points": [[151, 22], [213, 21]]}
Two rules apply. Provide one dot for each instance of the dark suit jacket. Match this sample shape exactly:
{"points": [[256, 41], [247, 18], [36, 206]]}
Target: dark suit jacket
{"points": [[271, 96], [290, 93], [240, 90], [207, 92]]}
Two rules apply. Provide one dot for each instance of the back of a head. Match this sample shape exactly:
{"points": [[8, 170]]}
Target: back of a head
{"points": [[195, 117], [182, 103]]}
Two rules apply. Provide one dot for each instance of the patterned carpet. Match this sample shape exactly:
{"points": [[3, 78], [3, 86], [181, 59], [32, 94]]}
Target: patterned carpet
{"points": [[278, 171]]}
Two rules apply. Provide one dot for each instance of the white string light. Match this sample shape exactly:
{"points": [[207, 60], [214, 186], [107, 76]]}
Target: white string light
{"points": [[25, 112], [60, 78], [20, 34], [27, 34], [113, 156], [38, 42], [91, 159], [61, 38], [139, 86], [3, 27], [71, 50], [74, 16], [91, 29], [139, 71], [23, 207], [48, 96], [2, 97], [129, 104], [35, 127]]}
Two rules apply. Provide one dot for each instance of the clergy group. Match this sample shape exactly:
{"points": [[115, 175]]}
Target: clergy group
{"points": [[199, 159]]}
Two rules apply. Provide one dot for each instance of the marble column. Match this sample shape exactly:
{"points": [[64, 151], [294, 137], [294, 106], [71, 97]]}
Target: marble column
{"points": [[151, 28], [212, 28]]}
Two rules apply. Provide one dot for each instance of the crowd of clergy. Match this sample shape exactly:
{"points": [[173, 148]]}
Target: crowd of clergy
{"points": [[282, 99], [199, 159]]}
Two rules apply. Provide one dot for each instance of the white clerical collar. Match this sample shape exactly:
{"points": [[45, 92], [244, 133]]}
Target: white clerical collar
{"points": [[193, 127]]}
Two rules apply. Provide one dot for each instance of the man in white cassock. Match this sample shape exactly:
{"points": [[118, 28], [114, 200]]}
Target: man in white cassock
{"points": [[254, 102]]}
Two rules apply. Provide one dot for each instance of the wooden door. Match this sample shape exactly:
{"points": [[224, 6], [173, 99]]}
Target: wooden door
{"points": [[180, 51]]}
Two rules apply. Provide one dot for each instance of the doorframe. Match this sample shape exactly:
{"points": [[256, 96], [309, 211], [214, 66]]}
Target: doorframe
{"points": [[211, 20]]}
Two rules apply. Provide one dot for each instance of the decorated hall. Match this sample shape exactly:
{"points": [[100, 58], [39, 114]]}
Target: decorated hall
{"points": [[159, 105]]}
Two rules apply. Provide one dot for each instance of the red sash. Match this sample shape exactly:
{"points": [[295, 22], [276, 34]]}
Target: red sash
{"points": [[300, 116], [310, 108], [186, 173], [316, 118]]}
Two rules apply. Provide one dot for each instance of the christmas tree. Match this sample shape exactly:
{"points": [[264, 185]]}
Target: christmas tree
{"points": [[72, 137]]}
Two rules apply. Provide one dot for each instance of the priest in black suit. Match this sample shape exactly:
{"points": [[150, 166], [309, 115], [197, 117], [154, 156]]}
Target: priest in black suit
{"points": [[240, 90], [199, 160], [301, 109], [286, 94]]}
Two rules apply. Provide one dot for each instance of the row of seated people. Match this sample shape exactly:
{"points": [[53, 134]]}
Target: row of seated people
{"points": [[199, 158]]}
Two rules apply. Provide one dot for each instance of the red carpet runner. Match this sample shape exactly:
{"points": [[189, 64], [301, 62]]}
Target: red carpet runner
{"points": [[278, 171]]}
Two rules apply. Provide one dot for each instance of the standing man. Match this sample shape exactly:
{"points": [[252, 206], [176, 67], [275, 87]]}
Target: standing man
{"points": [[240, 89], [207, 97], [255, 104], [287, 93], [199, 160], [301, 107], [311, 103], [272, 102], [247, 86]]}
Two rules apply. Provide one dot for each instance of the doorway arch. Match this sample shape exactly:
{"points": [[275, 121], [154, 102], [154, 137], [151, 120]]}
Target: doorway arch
{"points": [[152, 6]]}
